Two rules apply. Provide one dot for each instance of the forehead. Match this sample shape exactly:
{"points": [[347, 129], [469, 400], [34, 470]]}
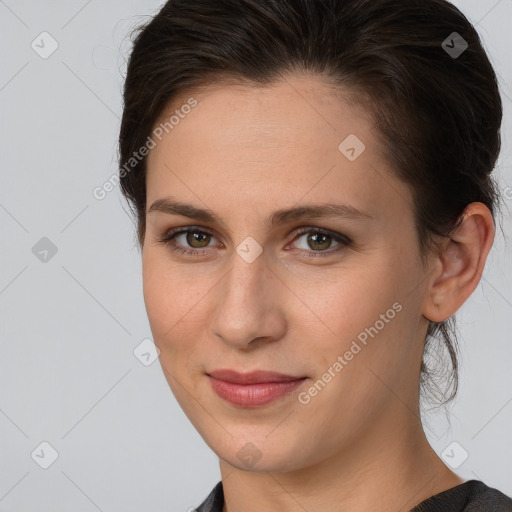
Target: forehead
{"points": [[294, 107], [245, 141]]}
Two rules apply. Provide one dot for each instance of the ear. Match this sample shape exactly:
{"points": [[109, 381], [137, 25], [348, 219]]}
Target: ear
{"points": [[459, 264]]}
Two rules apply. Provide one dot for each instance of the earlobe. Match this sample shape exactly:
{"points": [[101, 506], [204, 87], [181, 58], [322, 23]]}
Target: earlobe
{"points": [[460, 263]]}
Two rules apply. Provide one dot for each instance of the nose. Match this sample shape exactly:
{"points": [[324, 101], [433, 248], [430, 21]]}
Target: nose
{"points": [[249, 311]]}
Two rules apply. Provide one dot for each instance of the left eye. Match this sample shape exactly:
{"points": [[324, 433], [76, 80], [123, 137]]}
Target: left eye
{"points": [[316, 241]]}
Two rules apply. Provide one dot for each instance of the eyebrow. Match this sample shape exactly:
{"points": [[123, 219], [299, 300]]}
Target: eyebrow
{"points": [[279, 217]]}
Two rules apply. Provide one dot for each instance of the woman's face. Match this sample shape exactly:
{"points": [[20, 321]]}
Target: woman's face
{"points": [[268, 281]]}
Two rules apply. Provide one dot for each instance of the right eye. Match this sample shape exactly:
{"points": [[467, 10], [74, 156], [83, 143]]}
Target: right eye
{"points": [[190, 240]]}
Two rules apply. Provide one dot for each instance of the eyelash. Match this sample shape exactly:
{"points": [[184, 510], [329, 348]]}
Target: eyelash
{"points": [[168, 240]]}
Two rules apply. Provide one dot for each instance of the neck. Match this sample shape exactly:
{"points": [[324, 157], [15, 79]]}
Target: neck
{"points": [[397, 475]]}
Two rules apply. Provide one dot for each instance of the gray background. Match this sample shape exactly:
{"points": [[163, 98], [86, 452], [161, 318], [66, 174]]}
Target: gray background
{"points": [[69, 326]]}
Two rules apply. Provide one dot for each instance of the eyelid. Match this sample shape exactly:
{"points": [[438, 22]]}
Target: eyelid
{"points": [[314, 229], [186, 229]]}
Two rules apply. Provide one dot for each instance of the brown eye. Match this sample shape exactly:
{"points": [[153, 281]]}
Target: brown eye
{"points": [[319, 241], [316, 242], [198, 239], [189, 241]]}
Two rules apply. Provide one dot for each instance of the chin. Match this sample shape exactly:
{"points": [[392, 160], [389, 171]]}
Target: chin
{"points": [[258, 453]]}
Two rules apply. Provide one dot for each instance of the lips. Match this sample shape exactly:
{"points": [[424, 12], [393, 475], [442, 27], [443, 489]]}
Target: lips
{"points": [[253, 389], [255, 377]]}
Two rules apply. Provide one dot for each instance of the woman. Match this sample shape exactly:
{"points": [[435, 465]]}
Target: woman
{"points": [[311, 183]]}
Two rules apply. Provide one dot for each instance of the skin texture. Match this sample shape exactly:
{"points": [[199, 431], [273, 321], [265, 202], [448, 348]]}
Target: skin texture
{"points": [[243, 153]]}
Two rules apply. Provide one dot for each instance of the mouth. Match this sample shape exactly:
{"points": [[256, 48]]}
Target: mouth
{"points": [[253, 389], [254, 377]]}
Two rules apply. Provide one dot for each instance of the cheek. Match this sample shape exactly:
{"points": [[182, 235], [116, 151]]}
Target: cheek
{"points": [[344, 301], [173, 307], [171, 292], [169, 300], [365, 315], [157, 299]]}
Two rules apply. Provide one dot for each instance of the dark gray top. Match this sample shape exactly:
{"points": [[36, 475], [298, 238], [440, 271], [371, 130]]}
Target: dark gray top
{"points": [[470, 496]]}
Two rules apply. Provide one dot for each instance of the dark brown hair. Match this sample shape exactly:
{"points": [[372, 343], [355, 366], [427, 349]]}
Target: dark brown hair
{"points": [[438, 114]]}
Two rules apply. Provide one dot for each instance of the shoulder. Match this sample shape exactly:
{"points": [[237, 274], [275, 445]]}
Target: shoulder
{"points": [[484, 498], [470, 496], [214, 502]]}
